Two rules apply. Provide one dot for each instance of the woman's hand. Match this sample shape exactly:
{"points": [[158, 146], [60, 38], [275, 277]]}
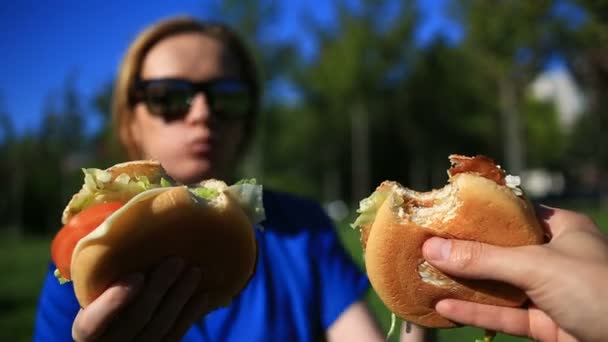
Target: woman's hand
{"points": [[565, 279], [159, 306]]}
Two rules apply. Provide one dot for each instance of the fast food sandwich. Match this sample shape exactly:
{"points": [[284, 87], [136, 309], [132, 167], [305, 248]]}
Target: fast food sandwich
{"points": [[480, 202], [132, 216]]}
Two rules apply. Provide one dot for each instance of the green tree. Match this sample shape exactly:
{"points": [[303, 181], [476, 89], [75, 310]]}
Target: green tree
{"points": [[588, 57], [510, 42], [105, 143], [547, 139], [444, 111], [346, 91], [10, 167], [253, 20], [44, 170]]}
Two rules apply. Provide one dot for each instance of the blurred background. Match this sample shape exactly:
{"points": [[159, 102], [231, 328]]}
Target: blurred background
{"points": [[356, 92]]}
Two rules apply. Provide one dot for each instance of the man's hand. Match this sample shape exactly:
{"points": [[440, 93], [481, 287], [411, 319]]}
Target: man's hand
{"points": [[565, 279]]}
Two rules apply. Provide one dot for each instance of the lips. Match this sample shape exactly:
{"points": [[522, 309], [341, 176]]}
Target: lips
{"points": [[201, 147]]}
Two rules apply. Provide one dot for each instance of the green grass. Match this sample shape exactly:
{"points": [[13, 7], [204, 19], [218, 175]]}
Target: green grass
{"points": [[23, 264], [350, 239]]}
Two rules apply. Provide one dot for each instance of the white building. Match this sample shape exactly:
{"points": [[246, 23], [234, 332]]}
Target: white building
{"points": [[559, 87]]}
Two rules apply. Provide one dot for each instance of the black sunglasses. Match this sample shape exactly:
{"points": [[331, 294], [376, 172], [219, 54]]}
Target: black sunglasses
{"points": [[170, 98]]}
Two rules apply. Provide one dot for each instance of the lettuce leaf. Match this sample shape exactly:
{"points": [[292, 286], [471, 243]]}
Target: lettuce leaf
{"points": [[99, 187], [369, 206], [251, 181], [249, 196], [60, 278], [165, 183], [205, 193], [247, 193]]}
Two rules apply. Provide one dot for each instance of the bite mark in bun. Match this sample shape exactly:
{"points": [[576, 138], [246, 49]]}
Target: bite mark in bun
{"points": [[480, 203]]}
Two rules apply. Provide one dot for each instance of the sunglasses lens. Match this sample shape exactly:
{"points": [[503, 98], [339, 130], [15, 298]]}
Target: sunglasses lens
{"points": [[169, 99], [230, 99]]}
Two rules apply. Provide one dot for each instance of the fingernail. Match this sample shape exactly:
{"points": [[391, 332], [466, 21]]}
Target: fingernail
{"points": [[437, 249]]}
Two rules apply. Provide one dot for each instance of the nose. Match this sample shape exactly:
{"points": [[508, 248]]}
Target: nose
{"points": [[200, 111]]}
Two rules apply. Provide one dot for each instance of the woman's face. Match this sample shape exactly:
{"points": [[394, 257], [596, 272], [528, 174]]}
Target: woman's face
{"points": [[198, 145]]}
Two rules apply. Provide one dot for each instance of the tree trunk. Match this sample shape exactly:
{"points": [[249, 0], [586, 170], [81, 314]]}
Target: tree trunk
{"points": [[17, 186], [511, 125], [360, 154]]}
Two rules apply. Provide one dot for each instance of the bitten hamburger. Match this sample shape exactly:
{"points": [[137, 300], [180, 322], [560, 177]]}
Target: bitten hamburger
{"points": [[480, 203], [132, 216]]}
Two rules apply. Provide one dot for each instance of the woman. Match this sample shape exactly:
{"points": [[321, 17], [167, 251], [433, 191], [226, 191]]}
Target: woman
{"points": [[187, 95]]}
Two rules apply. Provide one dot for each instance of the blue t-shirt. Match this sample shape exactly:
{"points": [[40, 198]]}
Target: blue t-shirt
{"points": [[304, 280]]}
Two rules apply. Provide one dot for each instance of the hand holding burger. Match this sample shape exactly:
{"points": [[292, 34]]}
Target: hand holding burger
{"points": [[480, 203], [131, 218], [565, 280]]}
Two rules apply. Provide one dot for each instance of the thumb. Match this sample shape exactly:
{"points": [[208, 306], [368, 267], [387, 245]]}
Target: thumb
{"points": [[476, 260]]}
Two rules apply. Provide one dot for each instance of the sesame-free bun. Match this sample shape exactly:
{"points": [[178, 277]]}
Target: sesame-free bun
{"points": [[217, 238], [469, 207], [216, 235]]}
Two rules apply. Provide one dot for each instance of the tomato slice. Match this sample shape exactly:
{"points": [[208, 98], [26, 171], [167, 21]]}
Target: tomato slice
{"points": [[78, 227]]}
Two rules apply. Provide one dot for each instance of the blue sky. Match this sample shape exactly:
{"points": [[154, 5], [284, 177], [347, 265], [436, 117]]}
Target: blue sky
{"points": [[42, 44]]}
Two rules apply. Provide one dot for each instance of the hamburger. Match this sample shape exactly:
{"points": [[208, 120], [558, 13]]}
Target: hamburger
{"points": [[480, 202], [131, 216]]}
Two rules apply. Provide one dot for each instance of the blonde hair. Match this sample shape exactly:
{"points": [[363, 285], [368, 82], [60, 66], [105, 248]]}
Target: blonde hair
{"points": [[128, 73]]}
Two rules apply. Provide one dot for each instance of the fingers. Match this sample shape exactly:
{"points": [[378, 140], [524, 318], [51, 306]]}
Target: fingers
{"points": [[558, 221], [171, 306], [530, 322], [91, 322], [196, 307], [165, 305], [476, 260], [133, 320]]}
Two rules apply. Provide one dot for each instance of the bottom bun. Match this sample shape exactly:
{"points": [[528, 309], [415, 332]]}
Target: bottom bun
{"points": [[216, 237], [469, 208]]}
